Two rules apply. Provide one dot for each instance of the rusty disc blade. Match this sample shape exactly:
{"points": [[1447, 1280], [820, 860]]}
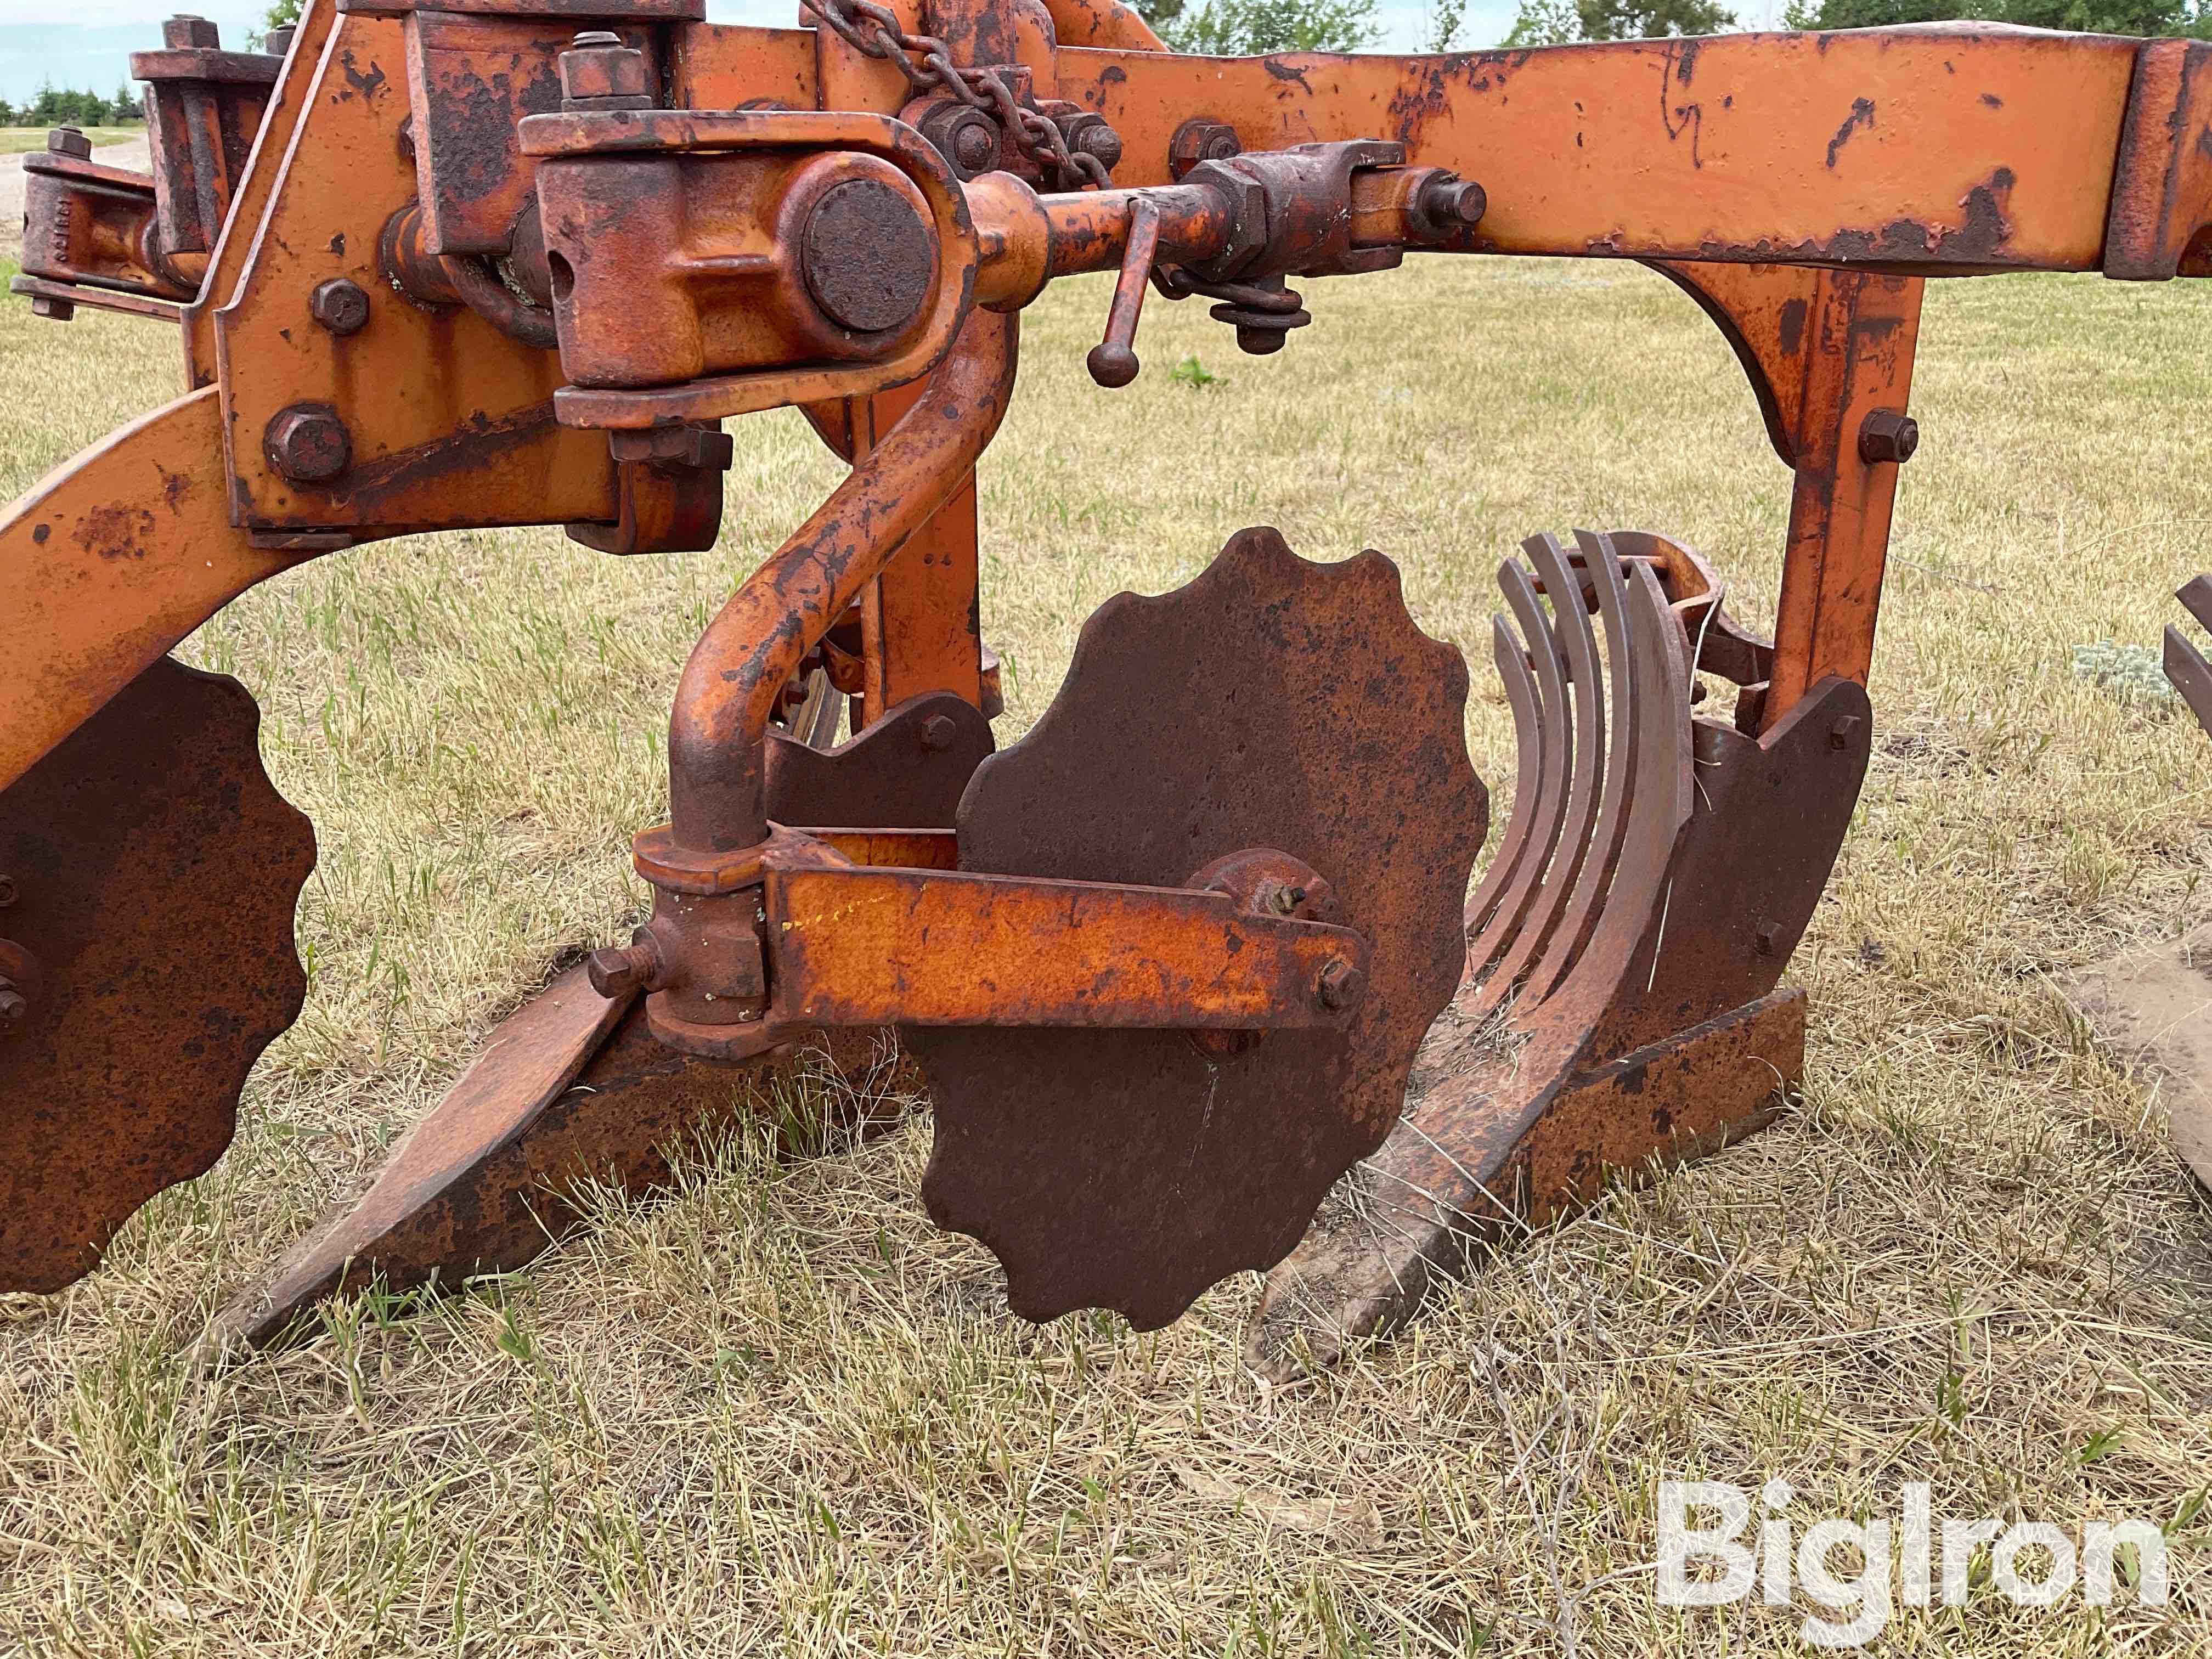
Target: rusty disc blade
{"points": [[1129, 1170], [155, 873]]}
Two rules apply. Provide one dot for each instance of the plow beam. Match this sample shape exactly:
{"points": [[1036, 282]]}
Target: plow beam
{"points": [[114, 557]]}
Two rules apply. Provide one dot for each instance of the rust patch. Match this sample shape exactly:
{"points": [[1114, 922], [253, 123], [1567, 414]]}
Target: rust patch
{"points": [[116, 531]]}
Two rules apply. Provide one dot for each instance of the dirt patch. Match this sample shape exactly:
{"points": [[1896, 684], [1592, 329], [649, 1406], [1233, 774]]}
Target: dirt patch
{"points": [[2152, 1007]]}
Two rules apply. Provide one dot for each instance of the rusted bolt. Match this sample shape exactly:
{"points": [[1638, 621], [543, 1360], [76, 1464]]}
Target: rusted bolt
{"points": [[68, 141], [1449, 202], [1766, 938], [12, 1005], [279, 42], [339, 305], [868, 256], [185, 30], [598, 72], [621, 969], [307, 443], [9, 892], [1887, 436], [964, 136], [938, 733], [56, 311], [1340, 985], [1840, 734], [1199, 140], [1086, 132]]}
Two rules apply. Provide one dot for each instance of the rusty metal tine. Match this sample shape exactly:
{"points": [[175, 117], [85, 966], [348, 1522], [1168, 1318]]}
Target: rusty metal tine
{"points": [[2187, 671], [2196, 597], [1548, 802], [1522, 696], [1585, 769], [1621, 689], [1665, 796]]}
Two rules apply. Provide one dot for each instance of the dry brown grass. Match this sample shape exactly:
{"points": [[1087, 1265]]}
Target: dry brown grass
{"points": [[776, 1412]]}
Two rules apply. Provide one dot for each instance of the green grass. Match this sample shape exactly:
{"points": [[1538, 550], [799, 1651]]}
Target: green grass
{"points": [[776, 1412], [14, 141]]}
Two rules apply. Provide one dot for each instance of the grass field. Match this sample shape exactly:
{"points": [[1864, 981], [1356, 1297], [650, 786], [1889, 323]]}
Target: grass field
{"points": [[14, 141], [776, 1412]]}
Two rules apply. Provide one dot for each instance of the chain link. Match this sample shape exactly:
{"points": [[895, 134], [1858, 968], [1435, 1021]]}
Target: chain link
{"points": [[874, 31]]}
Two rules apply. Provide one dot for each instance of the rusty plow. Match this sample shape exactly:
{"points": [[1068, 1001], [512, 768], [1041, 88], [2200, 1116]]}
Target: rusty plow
{"points": [[1191, 972]]}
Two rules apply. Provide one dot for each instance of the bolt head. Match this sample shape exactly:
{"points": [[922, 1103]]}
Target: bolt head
{"points": [[68, 141], [307, 443], [974, 146], [1340, 985], [185, 30], [279, 42], [1766, 939], [56, 311], [938, 733], [12, 1005], [339, 305], [1840, 734]]}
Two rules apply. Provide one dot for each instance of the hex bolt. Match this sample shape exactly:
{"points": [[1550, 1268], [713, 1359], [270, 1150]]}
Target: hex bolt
{"points": [[1840, 734], [279, 42], [938, 733], [339, 305], [1199, 140], [12, 1005], [9, 892], [1340, 985], [973, 147], [598, 72], [621, 969], [70, 142], [185, 30], [1766, 938], [54, 311], [1101, 141], [1888, 435], [307, 443]]}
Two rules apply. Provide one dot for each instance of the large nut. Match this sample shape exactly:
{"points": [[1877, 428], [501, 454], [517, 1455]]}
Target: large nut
{"points": [[185, 30], [965, 137], [1340, 985], [598, 72], [339, 305], [70, 142], [308, 443], [1199, 140], [1088, 133], [1888, 435], [12, 1005]]}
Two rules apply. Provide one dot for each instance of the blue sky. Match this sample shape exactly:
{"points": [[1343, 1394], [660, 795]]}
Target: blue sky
{"points": [[93, 47]]}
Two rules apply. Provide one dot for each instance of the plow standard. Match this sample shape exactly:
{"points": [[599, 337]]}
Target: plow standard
{"points": [[1201, 944]]}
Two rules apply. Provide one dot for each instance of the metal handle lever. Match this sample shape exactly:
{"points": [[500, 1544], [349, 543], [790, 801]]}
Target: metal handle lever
{"points": [[1113, 361]]}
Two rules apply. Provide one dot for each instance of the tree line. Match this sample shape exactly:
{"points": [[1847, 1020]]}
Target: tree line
{"points": [[55, 106], [1238, 27]]}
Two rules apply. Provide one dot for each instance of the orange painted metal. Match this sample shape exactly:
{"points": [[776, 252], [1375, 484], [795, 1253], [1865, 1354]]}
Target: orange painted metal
{"points": [[2162, 186], [450, 420], [1960, 149], [934, 947], [109, 560]]}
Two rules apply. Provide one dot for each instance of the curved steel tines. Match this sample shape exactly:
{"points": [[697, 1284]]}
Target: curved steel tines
{"points": [[2186, 670], [1586, 759]]}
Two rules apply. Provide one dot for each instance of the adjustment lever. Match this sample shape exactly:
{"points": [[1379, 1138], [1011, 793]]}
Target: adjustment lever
{"points": [[1113, 361]]}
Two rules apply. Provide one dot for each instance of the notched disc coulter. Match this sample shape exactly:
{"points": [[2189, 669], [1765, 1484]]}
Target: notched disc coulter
{"points": [[155, 872], [1133, 1169]]}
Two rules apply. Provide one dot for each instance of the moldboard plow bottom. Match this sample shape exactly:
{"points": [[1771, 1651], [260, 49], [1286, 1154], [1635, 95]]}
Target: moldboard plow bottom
{"points": [[1196, 952]]}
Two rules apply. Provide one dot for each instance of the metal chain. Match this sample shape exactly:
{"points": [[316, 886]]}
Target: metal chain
{"points": [[874, 31]]}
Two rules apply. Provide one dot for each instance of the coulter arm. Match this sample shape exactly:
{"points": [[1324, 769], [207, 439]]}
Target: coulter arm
{"points": [[1198, 946]]}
